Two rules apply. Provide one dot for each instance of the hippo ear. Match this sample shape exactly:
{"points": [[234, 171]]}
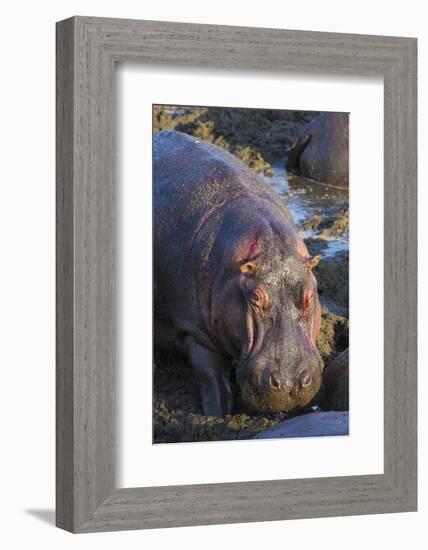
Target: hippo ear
{"points": [[248, 267], [312, 261]]}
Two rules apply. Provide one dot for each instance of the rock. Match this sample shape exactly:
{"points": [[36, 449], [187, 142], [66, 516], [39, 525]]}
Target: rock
{"points": [[336, 226], [309, 425]]}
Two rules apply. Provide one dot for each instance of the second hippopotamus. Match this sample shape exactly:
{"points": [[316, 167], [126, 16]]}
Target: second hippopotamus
{"points": [[322, 150], [234, 288]]}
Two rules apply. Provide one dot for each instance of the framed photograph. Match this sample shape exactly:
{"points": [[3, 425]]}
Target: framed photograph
{"points": [[236, 274]]}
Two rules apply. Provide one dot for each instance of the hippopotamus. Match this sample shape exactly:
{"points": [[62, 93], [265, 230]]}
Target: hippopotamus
{"points": [[233, 284], [335, 381], [321, 152]]}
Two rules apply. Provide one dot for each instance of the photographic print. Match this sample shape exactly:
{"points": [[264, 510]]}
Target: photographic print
{"points": [[251, 273], [240, 259]]}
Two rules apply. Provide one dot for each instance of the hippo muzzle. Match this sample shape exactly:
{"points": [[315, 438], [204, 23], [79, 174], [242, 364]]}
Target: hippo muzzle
{"points": [[275, 385], [268, 391]]}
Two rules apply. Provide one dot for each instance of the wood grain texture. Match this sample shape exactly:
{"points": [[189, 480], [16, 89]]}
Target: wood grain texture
{"points": [[64, 277], [87, 49]]}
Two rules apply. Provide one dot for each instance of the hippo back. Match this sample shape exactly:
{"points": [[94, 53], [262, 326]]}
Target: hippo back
{"points": [[191, 177], [195, 181], [321, 152]]}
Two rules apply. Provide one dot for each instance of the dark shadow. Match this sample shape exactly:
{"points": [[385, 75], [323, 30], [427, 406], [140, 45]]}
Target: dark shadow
{"points": [[44, 514]]}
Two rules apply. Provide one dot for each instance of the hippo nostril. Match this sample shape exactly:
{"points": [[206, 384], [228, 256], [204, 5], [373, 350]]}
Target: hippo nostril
{"points": [[274, 382], [305, 378]]}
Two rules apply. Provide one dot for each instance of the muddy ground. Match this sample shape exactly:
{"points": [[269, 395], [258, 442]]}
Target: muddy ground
{"points": [[260, 139]]}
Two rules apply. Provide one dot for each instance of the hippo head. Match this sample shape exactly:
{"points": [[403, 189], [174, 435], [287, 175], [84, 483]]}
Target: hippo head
{"points": [[272, 319]]}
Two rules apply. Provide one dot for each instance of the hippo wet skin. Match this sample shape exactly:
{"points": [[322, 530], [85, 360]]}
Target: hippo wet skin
{"points": [[234, 288], [322, 151]]}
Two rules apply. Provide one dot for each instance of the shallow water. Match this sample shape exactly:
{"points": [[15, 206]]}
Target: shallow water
{"points": [[307, 198]]}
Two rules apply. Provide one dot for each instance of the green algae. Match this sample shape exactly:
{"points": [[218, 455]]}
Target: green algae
{"points": [[259, 139]]}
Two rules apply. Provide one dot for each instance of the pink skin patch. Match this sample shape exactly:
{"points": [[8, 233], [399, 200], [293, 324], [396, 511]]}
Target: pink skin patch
{"points": [[307, 302], [249, 249], [253, 249]]}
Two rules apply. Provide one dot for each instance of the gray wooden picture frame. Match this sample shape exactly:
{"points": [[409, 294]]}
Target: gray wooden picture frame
{"points": [[87, 50]]}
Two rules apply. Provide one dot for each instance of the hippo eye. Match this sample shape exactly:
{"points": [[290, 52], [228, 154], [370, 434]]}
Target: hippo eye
{"points": [[259, 298]]}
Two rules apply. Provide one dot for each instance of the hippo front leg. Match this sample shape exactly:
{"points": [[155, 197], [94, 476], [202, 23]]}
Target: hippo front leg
{"points": [[213, 374]]}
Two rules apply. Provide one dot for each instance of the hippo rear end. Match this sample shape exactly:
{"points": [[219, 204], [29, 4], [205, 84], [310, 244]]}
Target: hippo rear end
{"points": [[234, 288]]}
